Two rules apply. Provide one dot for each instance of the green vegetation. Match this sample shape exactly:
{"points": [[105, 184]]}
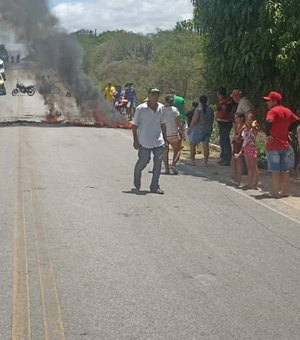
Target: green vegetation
{"points": [[253, 45], [166, 59]]}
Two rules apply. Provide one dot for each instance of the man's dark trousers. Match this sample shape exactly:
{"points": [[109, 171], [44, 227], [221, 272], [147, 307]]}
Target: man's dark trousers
{"points": [[225, 145]]}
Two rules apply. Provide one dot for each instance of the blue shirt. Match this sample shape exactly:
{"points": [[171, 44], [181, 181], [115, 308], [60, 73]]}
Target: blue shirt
{"points": [[118, 95], [130, 94]]}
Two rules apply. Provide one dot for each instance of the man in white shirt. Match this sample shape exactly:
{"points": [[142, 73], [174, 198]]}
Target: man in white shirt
{"points": [[243, 104], [149, 135]]}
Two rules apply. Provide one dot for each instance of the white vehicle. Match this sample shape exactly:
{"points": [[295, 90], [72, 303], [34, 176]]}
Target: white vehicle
{"points": [[2, 69], [2, 86]]}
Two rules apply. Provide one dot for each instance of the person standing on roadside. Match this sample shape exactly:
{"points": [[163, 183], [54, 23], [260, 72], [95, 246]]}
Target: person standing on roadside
{"points": [[200, 129], [130, 96], [249, 150], [175, 134], [190, 113], [118, 94], [237, 143], [279, 121], [149, 136], [109, 92], [225, 121], [243, 104], [180, 104]]}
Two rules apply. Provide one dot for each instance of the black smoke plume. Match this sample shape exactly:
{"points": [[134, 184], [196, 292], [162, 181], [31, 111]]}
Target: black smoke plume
{"points": [[52, 47]]}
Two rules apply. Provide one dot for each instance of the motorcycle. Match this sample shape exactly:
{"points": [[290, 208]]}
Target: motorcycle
{"points": [[21, 88]]}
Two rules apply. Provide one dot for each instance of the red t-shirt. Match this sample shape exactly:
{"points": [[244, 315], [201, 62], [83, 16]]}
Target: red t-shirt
{"points": [[282, 118], [224, 110]]}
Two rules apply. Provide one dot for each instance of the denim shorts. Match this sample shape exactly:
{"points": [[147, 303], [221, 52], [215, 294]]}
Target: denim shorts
{"points": [[277, 161], [196, 138]]}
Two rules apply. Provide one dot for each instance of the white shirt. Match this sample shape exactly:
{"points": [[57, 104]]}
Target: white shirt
{"points": [[244, 106], [148, 125], [171, 112]]}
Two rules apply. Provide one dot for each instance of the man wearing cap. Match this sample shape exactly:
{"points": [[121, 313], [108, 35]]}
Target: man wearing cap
{"points": [[243, 104], [279, 121], [149, 136]]}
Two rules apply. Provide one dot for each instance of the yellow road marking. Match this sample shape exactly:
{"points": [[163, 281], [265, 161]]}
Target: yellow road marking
{"points": [[21, 311], [21, 328], [53, 324]]}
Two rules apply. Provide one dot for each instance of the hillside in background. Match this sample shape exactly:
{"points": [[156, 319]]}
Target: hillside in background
{"points": [[166, 59]]}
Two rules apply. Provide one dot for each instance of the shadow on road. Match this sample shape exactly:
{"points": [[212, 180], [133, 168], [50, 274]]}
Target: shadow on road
{"points": [[223, 174], [135, 191]]}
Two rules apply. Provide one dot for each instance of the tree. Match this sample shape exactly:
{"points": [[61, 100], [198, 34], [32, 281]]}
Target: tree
{"points": [[168, 59], [252, 44], [288, 58], [178, 62], [187, 25]]}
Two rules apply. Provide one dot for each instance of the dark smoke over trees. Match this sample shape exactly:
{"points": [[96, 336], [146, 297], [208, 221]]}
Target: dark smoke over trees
{"points": [[33, 25]]}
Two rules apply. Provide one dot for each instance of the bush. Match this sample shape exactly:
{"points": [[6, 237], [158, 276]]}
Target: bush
{"points": [[261, 154]]}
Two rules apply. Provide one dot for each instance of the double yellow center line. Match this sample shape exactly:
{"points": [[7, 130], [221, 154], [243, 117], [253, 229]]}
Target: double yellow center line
{"points": [[22, 310], [21, 305]]}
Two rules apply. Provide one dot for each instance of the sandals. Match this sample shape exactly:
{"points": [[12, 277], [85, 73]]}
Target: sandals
{"points": [[158, 191], [174, 170]]}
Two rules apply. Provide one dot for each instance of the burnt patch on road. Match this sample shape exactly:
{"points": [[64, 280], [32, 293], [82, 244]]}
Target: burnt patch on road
{"points": [[74, 123]]}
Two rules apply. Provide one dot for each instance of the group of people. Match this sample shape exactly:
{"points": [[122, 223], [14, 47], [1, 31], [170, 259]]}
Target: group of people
{"points": [[122, 100], [280, 121], [157, 126]]}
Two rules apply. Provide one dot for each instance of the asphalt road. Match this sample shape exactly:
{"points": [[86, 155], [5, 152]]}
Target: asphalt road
{"points": [[82, 257]]}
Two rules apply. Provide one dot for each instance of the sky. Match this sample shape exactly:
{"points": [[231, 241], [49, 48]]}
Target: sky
{"points": [[139, 16]]}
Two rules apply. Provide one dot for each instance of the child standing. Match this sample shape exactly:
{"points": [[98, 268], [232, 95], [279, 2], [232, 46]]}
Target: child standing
{"points": [[249, 150], [237, 142]]}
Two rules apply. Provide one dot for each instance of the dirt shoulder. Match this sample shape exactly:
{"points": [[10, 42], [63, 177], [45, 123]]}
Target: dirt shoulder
{"points": [[289, 205]]}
